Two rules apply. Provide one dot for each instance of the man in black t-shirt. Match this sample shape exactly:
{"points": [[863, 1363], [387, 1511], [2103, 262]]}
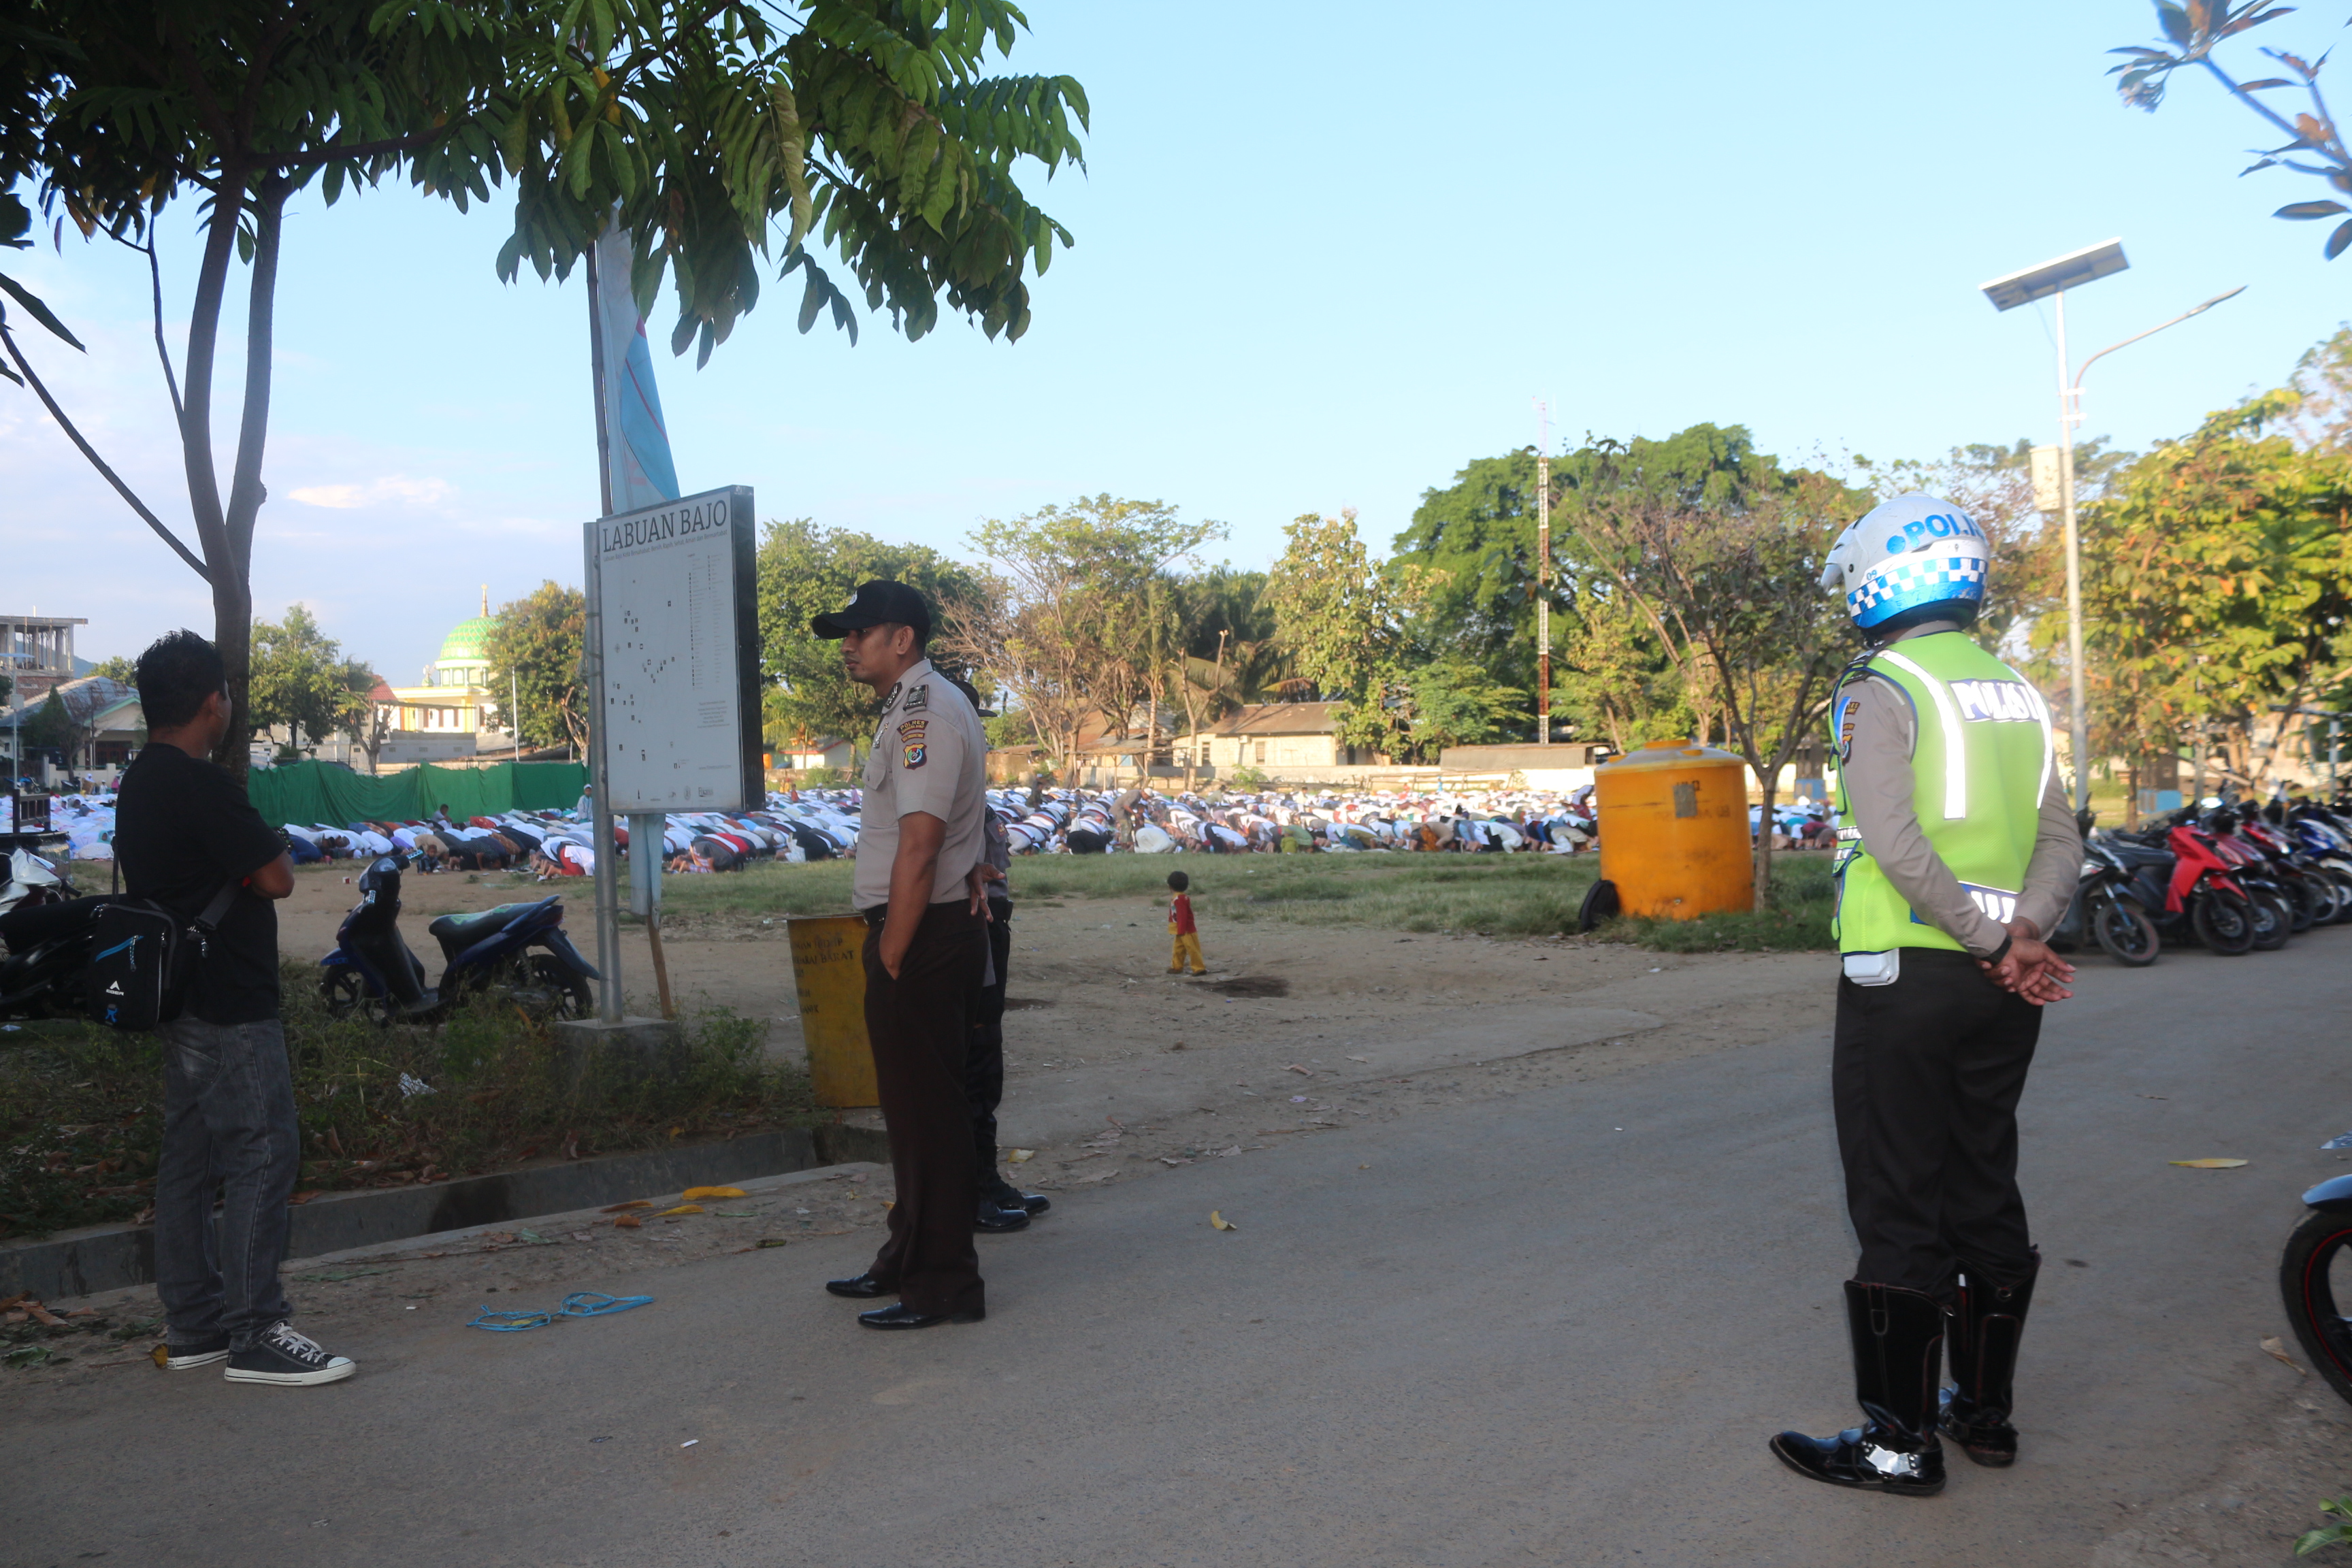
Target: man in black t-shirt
{"points": [[183, 828]]}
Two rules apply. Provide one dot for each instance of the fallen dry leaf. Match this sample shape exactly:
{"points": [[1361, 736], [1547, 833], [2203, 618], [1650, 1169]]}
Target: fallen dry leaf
{"points": [[2209, 1165], [772, 1241], [1299, 1070], [1218, 1221], [1360, 1059], [632, 1204], [303, 1197], [1021, 1156], [682, 1208], [2274, 1349], [43, 1315], [1229, 1154], [692, 1193], [12, 1301], [629, 1222]]}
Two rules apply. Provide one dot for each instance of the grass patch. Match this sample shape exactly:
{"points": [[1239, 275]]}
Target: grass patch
{"points": [[1795, 917], [81, 1108], [1484, 895]]}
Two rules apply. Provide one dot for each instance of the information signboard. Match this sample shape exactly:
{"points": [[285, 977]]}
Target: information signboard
{"points": [[672, 604]]}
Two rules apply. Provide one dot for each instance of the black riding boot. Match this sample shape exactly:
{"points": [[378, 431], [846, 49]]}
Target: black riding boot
{"points": [[1898, 1355], [1985, 1327]]}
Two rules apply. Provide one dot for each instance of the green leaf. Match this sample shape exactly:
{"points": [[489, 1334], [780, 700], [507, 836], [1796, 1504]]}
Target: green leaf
{"points": [[2308, 210], [2339, 240], [2175, 22], [39, 312]]}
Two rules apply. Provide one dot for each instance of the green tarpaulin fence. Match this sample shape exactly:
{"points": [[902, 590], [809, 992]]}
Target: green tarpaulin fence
{"points": [[314, 792]]}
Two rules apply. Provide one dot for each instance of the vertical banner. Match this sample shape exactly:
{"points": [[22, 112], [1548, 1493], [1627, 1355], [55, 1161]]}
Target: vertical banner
{"points": [[641, 471]]}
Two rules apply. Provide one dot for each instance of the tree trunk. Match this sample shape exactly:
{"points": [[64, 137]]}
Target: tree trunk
{"points": [[245, 491], [1764, 843]]}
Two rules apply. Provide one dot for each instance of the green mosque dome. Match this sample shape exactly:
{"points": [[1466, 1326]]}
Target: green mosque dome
{"points": [[468, 642]]}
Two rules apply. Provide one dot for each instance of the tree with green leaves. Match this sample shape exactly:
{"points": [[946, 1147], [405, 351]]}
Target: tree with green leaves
{"points": [[1344, 620], [534, 649], [2217, 581], [1059, 621], [718, 135], [804, 571], [118, 666], [302, 679], [1452, 701], [1728, 578], [2192, 31]]}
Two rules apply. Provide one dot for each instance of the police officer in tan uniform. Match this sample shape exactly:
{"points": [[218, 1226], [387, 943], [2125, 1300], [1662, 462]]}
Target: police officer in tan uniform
{"points": [[920, 845]]}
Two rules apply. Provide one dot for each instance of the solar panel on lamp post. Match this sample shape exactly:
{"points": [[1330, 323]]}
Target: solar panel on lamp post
{"points": [[2052, 280]]}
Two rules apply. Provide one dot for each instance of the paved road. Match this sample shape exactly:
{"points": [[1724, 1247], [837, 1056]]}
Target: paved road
{"points": [[1554, 1329]]}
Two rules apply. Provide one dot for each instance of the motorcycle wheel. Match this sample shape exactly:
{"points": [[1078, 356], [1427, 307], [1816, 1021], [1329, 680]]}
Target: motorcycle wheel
{"points": [[2273, 923], [2303, 909], [2326, 899], [2223, 923], [341, 992], [2127, 935], [2343, 880], [561, 981], [2314, 1276]]}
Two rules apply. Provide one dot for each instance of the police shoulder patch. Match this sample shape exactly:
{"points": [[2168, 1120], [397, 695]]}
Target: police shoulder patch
{"points": [[915, 754], [912, 730], [918, 699]]}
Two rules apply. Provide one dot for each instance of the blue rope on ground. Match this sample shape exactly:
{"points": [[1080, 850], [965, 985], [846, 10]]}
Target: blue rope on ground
{"points": [[596, 1304], [510, 1322]]}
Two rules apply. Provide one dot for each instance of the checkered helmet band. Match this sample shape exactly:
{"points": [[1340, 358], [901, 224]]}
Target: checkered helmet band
{"points": [[1905, 584]]}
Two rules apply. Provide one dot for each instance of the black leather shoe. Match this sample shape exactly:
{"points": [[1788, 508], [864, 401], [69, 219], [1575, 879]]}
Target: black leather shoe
{"points": [[1005, 1195], [864, 1288], [902, 1316], [993, 1221], [1899, 1361], [1862, 1457], [1983, 1437]]}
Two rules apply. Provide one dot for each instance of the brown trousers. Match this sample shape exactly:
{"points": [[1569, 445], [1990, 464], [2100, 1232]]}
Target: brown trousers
{"points": [[921, 1027]]}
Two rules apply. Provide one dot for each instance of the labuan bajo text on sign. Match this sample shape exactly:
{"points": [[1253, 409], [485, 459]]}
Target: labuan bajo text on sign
{"points": [[627, 532]]}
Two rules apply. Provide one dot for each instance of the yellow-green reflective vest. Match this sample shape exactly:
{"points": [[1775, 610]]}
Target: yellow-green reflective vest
{"points": [[1980, 760]]}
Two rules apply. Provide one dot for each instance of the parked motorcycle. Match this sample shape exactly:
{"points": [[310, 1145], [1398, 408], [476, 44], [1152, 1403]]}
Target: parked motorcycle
{"points": [[2108, 906], [372, 971], [2188, 888], [45, 937]]}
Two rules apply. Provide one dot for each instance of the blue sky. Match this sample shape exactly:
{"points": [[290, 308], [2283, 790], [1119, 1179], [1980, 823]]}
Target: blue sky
{"points": [[1325, 256]]}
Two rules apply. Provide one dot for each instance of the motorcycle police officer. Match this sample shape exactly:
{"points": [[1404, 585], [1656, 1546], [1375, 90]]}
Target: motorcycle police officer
{"points": [[1956, 850]]}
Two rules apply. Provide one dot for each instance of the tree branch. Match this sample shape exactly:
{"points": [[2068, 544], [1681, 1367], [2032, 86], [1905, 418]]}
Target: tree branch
{"points": [[75, 434], [245, 492], [155, 280]]}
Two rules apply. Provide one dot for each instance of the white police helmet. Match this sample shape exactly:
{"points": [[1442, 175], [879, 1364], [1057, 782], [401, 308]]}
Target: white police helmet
{"points": [[1908, 554]]}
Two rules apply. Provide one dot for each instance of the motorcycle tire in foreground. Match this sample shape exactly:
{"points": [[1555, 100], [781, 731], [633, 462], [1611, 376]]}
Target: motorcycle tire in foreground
{"points": [[2316, 1282], [2125, 931]]}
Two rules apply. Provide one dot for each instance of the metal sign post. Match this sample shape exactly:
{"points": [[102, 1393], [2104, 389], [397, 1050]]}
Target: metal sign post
{"points": [[608, 914]]}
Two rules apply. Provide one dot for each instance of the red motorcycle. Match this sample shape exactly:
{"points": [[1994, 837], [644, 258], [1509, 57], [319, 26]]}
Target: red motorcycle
{"points": [[2226, 919]]}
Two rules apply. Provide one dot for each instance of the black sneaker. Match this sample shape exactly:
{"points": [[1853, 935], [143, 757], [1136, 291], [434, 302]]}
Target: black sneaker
{"points": [[284, 1357], [195, 1353]]}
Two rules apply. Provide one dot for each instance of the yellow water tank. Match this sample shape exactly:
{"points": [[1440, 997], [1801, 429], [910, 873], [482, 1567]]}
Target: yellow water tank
{"points": [[829, 972], [1673, 830]]}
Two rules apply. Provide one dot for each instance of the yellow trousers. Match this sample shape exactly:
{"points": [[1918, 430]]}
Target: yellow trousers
{"points": [[1188, 944]]}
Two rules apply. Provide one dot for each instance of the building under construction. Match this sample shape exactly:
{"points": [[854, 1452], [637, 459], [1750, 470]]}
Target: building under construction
{"points": [[37, 652]]}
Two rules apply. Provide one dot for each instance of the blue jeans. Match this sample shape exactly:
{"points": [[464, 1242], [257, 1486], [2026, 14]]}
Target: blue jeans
{"points": [[228, 1125]]}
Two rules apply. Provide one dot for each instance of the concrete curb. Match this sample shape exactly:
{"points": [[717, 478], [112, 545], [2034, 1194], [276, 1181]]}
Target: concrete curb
{"points": [[107, 1258], [753, 1187]]}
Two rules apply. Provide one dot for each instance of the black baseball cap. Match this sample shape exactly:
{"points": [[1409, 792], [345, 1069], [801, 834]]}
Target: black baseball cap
{"points": [[876, 602]]}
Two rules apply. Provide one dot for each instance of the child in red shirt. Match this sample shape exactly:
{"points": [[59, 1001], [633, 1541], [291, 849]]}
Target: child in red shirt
{"points": [[1180, 927]]}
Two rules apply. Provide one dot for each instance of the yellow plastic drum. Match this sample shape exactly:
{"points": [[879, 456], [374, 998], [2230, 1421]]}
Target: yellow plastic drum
{"points": [[829, 972], [1673, 830]]}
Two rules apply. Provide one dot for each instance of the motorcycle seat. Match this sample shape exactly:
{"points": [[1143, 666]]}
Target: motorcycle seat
{"points": [[27, 926], [455, 933], [2140, 854]]}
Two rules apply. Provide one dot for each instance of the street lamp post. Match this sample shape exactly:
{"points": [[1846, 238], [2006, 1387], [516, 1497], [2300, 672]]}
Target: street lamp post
{"points": [[2050, 281]]}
